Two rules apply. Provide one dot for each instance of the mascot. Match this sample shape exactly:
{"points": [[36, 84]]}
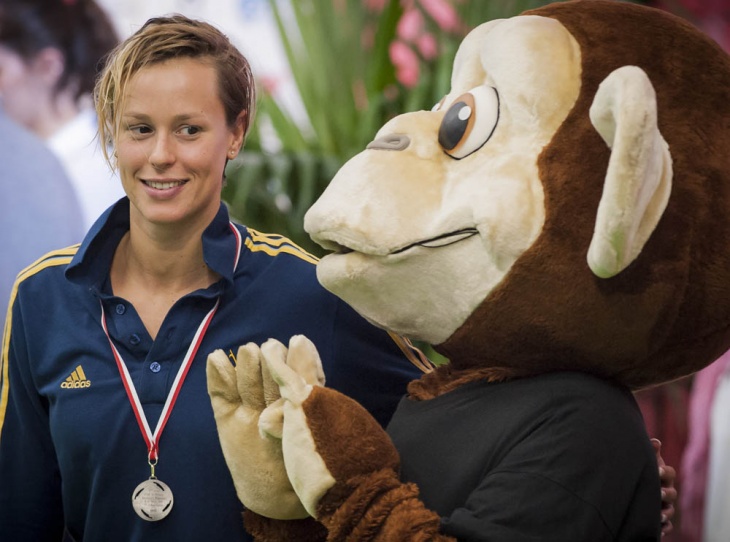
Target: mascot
{"points": [[558, 227]]}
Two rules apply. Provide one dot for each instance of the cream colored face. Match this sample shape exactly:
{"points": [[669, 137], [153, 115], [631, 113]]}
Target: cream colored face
{"points": [[431, 217]]}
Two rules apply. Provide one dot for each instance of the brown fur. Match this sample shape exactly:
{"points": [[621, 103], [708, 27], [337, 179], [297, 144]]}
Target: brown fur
{"points": [[332, 413], [444, 379], [368, 492], [668, 314], [361, 511]]}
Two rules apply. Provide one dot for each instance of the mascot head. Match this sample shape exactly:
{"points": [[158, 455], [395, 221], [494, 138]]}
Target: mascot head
{"points": [[564, 207]]}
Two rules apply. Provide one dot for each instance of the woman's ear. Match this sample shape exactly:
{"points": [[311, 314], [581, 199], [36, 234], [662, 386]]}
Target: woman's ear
{"points": [[48, 65], [239, 132]]}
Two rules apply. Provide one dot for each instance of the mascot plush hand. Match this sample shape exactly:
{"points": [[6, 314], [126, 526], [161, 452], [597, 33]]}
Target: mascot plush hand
{"points": [[245, 399], [557, 227]]}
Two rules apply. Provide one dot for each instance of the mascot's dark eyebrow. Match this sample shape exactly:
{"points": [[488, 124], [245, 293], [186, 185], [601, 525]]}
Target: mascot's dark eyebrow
{"points": [[462, 234]]}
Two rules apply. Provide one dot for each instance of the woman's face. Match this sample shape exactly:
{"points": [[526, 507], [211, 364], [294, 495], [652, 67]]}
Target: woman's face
{"points": [[173, 143], [24, 86]]}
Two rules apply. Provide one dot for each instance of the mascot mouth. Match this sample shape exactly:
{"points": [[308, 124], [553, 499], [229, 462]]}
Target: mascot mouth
{"points": [[438, 241]]}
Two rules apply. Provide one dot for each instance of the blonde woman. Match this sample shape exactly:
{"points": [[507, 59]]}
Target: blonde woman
{"points": [[104, 412]]}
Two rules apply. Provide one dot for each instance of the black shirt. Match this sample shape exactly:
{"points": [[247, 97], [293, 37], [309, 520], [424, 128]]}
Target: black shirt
{"points": [[562, 456]]}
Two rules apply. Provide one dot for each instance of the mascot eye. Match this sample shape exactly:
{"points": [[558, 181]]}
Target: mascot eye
{"points": [[469, 122]]}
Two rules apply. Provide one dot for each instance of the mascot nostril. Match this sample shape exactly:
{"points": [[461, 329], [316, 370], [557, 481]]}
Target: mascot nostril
{"points": [[558, 229]]}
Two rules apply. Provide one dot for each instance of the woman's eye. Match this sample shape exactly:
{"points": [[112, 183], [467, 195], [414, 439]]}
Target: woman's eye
{"points": [[469, 122], [139, 130], [190, 130]]}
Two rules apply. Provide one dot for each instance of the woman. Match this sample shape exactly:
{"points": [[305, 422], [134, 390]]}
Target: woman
{"points": [[103, 383], [50, 53]]}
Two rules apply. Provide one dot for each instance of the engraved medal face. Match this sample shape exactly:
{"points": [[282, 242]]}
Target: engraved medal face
{"points": [[152, 500]]}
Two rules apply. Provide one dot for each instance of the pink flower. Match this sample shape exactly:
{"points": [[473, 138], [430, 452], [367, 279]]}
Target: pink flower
{"points": [[410, 25], [391, 92], [367, 39], [360, 95], [406, 63], [443, 13], [270, 83], [427, 46], [375, 5]]}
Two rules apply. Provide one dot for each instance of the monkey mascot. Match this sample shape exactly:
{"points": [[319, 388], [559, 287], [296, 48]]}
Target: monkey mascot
{"points": [[558, 226]]}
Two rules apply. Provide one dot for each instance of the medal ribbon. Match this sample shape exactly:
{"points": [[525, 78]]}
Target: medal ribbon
{"points": [[152, 439]]}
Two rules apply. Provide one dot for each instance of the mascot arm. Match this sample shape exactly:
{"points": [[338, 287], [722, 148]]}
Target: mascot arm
{"points": [[341, 462]]}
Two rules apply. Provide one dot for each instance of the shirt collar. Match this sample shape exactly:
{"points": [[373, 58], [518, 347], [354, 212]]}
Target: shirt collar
{"points": [[90, 266]]}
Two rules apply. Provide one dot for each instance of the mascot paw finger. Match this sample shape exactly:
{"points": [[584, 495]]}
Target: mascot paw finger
{"points": [[239, 395], [329, 441]]}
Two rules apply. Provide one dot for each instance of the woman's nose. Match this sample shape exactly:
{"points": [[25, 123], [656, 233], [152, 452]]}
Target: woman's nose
{"points": [[162, 154]]}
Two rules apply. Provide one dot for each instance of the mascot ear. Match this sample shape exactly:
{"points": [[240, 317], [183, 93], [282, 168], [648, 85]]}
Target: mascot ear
{"points": [[639, 176]]}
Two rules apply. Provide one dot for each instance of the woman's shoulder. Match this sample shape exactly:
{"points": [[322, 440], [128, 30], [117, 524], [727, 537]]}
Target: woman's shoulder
{"points": [[272, 245], [54, 261], [276, 267], [43, 281]]}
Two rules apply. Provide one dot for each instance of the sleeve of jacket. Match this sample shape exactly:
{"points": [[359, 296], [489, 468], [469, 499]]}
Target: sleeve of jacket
{"points": [[30, 491]]}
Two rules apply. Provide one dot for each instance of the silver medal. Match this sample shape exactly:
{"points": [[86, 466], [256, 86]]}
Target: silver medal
{"points": [[152, 500]]}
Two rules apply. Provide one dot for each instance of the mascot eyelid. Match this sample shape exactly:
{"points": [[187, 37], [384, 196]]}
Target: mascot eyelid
{"points": [[469, 122]]}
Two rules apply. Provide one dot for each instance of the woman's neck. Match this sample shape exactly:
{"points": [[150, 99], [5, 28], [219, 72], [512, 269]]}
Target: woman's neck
{"points": [[153, 274], [176, 264]]}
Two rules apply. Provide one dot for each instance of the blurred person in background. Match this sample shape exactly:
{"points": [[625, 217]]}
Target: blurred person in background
{"points": [[50, 54], [664, 409], [705, 466], [38, 207]]}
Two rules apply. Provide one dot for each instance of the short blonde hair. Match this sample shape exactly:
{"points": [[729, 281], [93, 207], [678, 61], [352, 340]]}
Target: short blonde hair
{"points": [[164, 38]]}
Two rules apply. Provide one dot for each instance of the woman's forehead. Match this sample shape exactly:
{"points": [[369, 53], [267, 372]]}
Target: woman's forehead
{"points": [[186, 83]]}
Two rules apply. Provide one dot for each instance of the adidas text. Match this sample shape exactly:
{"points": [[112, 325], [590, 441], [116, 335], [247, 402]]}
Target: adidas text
{"points": [[76, 384], [77, 379]]}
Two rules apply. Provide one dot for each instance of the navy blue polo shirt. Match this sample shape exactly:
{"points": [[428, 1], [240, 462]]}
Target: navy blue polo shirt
{"points": [[71, 452]]}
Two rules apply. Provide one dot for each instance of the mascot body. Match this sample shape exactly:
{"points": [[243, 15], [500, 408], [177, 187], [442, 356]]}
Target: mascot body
{"points": [[557, 226]]}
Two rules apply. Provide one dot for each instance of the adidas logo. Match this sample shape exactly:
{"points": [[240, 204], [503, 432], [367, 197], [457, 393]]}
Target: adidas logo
{"points": [[76, 380]]}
